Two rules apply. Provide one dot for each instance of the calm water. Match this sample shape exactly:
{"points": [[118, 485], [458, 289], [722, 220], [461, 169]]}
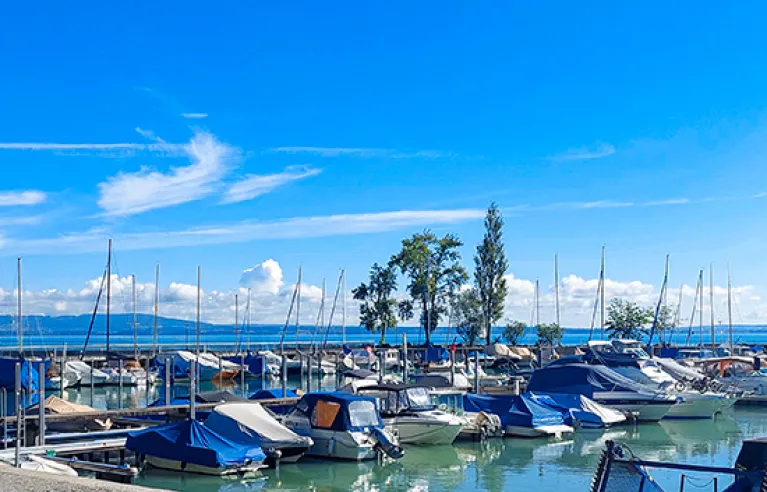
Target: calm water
{"points": [[496, 465]]}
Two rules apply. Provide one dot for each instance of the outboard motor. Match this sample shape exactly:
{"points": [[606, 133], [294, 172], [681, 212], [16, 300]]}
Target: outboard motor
{"points": [[388, 447]]}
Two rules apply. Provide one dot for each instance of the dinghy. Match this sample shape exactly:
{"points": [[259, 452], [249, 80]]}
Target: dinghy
{"points": [[189, 446], [252, 424], [342, 426], [521, 415], [57, 406]]}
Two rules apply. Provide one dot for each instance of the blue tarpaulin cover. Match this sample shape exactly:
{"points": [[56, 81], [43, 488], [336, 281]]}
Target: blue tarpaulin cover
{"points": [[436, 354], [582, 379], [343, 421], [29, 374], [191, 442], [255, 363], [515, 410], [576, 411]]}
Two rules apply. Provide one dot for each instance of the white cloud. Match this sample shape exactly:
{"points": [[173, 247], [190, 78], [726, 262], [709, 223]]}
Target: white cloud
{"points": [[194, 116], [149, 135], [294, 228], [26, 197], [264, 277], [586, 153], [132, 193], [362, 152], [256, 185]]}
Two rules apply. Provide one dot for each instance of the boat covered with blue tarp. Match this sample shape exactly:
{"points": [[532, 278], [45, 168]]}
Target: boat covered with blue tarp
{"points": [[520, 415], [581, 411], [192, 447]]}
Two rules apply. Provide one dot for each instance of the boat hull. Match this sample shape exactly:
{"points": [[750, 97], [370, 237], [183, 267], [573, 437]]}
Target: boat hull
{"points": [[173, 465], [340, 445], [415, 432], [698, 406], [543, 431], [647, 410]]}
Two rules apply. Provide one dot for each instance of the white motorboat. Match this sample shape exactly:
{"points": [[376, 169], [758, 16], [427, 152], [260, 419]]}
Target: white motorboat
{"points": [[38, 464], [410, 414], [342, 426], [78, 373], [250, 423]]}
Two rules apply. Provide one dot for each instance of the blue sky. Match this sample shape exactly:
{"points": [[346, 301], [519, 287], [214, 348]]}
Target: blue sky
{"points": [[229, 135]]}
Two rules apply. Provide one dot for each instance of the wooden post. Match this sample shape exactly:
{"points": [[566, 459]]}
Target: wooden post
{"points": [[242, 374], [404, 358], [476, 372], [120, 392], [92, 384], [17, 413], [284, 376]]}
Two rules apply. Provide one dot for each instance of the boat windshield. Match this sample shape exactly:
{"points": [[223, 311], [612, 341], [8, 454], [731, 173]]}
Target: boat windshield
{"points": [[363, 414], [419, 399]]}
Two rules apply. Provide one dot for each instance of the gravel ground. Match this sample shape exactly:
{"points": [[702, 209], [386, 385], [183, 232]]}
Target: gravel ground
{"points": [[15, 480]]}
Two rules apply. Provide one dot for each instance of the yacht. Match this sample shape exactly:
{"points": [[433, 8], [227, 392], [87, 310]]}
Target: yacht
{"points": [[604, 386], [410, 414], [342, 426], [629, 358]]}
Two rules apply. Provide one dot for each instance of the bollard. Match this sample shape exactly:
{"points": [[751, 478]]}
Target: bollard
{"points": [[19, 424], [476, 372], [242, 375], [120, 392], [284, 376], [192, 391], [41, 406]]}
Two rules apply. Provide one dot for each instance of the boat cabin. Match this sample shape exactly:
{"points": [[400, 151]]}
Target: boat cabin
{"points": [[399, 399]]}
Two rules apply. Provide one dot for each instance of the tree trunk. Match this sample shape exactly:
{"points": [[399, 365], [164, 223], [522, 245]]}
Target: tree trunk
{"points": [[383, 336]]}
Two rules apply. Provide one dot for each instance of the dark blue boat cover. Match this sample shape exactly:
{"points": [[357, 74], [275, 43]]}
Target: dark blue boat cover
{"points": [[519, 411], [255, 363], [582, 379], [436, 354], [572, 406], [344, 420], [191, 442], [29, 374]]}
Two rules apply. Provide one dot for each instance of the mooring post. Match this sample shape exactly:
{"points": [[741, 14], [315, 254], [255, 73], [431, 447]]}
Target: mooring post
{"points": [[220, 371], [242, 375], [120, 392], [309, 372], [338, 369], [284, 376], [476, 372], [404, 358], [92, 384], [41, 405], [17, 413], [62, 369], [381, 367], [167, 385], [192, 391]]}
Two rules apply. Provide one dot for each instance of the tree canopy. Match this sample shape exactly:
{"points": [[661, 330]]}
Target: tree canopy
{"points": [[434, 273], [514, 331], [467, 316], [626, 319], [489, 269], [378, 308], [549, 334]]}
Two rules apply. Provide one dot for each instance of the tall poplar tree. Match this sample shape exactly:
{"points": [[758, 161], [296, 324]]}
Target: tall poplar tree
{"points": [[490, 268]]}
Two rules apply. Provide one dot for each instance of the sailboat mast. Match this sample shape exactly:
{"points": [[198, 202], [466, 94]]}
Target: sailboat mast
{"points": [[711, 302], [678, 314], [343, 304], [298, 304], [155, 331], [556, 286], [537, 305], [19, 320], [237, 323], [135, 320], [729, 308], [109, 289], [602, 297], [700, 308], [197, 343]]}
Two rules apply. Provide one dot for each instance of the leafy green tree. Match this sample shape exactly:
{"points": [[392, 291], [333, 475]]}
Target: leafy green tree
{"points": [[626, 319], [514, 331], [378, 309], [549, 334], [467, 315], [433, 268], [666, 320], [489, 269]]}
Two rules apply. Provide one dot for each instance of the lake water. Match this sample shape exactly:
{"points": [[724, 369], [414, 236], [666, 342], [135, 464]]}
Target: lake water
{"points": [[495, 465]]}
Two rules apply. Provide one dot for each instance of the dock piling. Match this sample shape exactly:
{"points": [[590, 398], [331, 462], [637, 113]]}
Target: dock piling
{"points": [[284, 376], [242, 375], [120, 392], [92, 384], [167, 382], [41, 406], [404, 358], [17, 406], [192, 390], [476, 372]]}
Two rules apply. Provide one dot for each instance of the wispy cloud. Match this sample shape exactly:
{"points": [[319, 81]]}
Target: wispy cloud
{"points": [[607, 204], [586, 153], [256, 185], [292, 228], [149, 135], [362, 152], [16, 198], [194, 116], [132, 193]]}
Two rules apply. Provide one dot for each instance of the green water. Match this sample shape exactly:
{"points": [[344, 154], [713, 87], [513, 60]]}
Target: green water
{"points": [[495, 465]]}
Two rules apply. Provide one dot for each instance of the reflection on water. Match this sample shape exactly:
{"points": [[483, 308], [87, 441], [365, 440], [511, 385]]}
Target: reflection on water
{"points": [[496, 465]]}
